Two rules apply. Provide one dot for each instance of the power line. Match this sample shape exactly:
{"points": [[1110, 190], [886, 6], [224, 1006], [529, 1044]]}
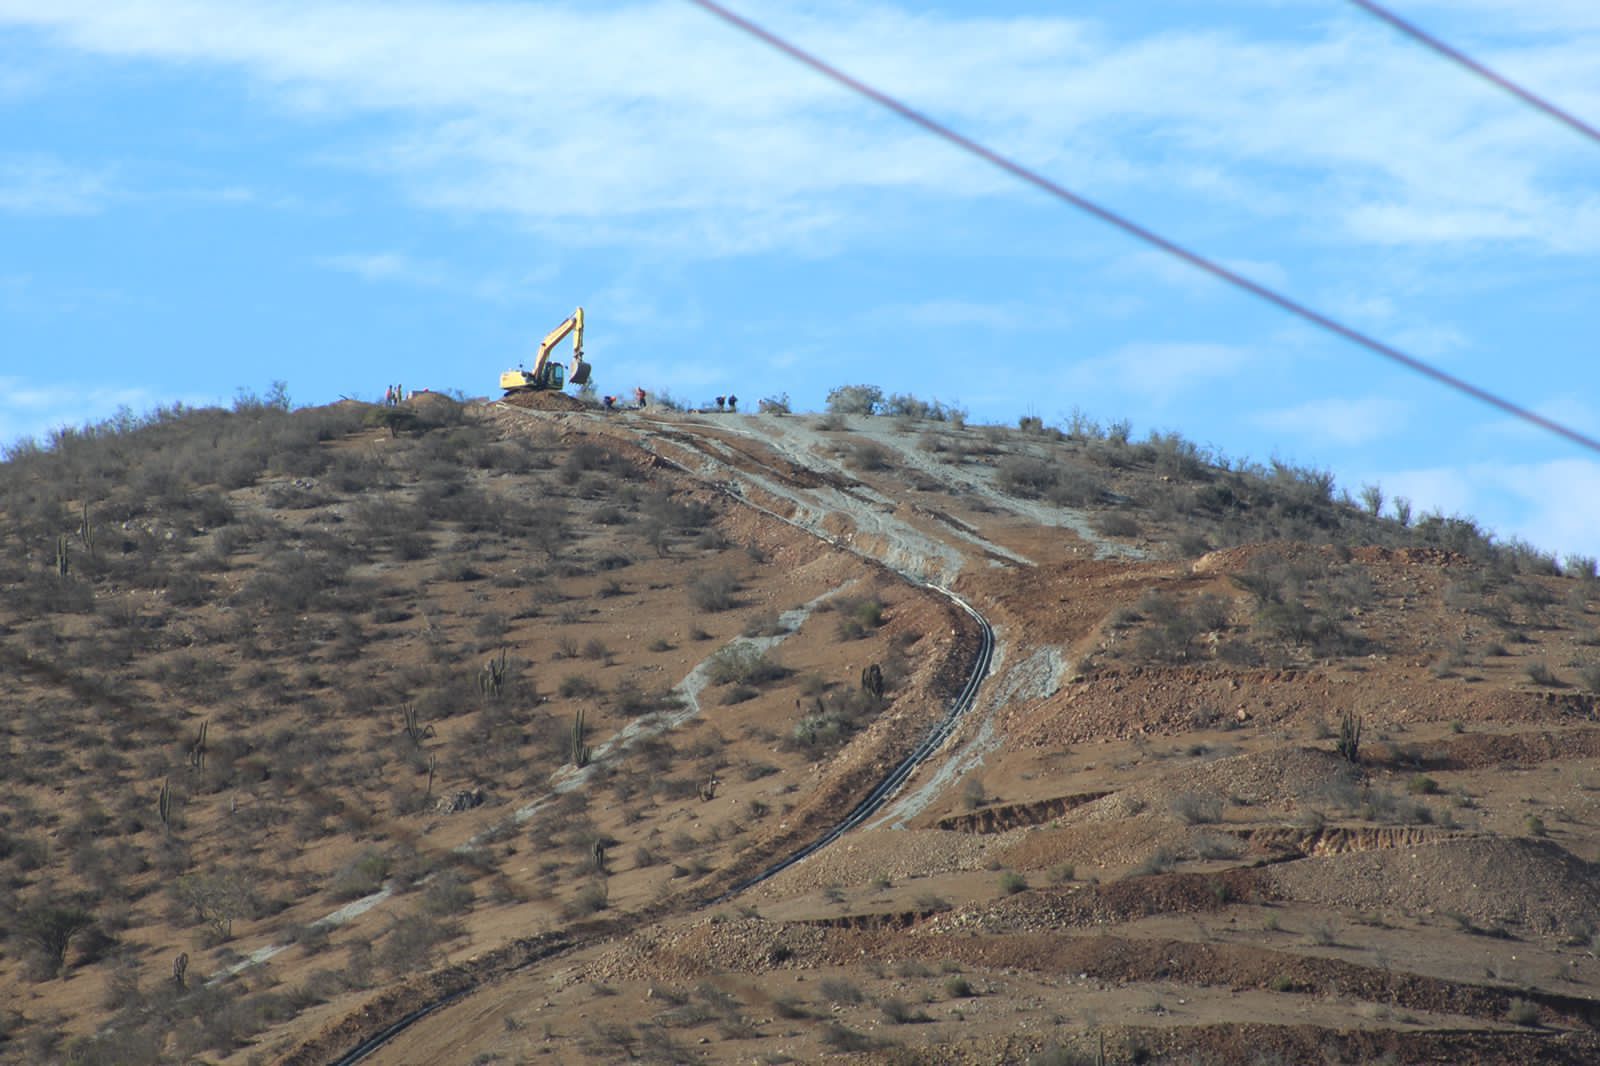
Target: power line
{"points": [[1133, 229], [1428, 40]]}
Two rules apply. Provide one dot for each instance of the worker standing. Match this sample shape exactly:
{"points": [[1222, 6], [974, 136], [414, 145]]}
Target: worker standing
{"points": [[638, 394]]}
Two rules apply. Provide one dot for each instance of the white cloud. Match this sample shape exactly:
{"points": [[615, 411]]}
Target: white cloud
{"points": [[969, 314], [397, 268], [1337, 421], [624, 121], [1159, 371], [386, 266], [41, 185]]}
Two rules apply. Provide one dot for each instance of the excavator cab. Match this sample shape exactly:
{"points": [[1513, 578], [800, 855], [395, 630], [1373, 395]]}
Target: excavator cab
{"points": [[553, 376]]}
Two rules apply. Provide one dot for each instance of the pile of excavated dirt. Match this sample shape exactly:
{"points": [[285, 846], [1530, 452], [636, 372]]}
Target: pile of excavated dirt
{"points": [[1529, 884], [545, 401], [428, 402], [1274, 778]]}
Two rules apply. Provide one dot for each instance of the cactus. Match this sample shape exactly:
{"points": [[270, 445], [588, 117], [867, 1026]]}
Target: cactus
{"points": [[599, 855], [580, 750], [492, 678], [180, 969], [1349, 742], [86, 530], [432, 763], [416, 731], [63, 557], [164, 804], [197, 750], [872, 681]]}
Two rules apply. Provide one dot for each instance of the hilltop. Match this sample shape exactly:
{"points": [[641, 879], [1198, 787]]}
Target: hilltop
{"points": [[320, 718]]}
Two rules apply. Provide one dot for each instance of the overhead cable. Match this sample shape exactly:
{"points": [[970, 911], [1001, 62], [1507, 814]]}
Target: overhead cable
{"points": [[1428, 40], [1133, 229]]}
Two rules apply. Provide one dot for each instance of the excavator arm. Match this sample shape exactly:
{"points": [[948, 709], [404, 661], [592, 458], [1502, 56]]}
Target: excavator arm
{"points": [[546, 374], [574, 326]]}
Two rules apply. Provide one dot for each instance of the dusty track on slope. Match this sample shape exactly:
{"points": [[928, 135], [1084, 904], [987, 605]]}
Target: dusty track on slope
{"points": [[378, 1023]]}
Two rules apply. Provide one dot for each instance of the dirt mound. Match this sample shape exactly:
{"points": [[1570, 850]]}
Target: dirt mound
{"points": [[428, 402], [545, 401], [1273, 778], [1530, 884]]}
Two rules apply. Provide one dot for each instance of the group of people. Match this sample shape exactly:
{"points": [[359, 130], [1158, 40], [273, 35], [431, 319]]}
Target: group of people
{"points": [[724, 403], [611, 402], [394, 395]]}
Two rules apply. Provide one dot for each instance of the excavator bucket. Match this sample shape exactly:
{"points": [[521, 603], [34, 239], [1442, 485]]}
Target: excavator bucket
{"points": [[580, 373]]}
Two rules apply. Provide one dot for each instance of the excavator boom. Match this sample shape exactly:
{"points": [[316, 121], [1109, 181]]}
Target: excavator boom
{"points": [[550, 375], [574, 326]]}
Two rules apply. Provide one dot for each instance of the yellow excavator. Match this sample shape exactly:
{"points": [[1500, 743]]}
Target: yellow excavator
{"points": [[550, 375]]}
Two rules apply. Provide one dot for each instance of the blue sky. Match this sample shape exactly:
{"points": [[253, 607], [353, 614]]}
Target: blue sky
{"points": [[203, 195]]}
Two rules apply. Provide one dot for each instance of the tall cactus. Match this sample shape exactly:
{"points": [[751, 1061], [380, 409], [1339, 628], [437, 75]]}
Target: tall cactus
{"points": [[197, 750], [86, 530], [63, 557], [414, 729], [580, 750], [492, 678], [164, 804], [1349, 742]]}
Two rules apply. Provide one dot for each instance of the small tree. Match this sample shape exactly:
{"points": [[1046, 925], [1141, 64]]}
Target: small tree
{"points": [[1372, 499]]}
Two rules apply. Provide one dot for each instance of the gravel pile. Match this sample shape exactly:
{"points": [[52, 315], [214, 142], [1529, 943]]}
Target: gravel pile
{"points": [[1275, 778], [1533, 885]]}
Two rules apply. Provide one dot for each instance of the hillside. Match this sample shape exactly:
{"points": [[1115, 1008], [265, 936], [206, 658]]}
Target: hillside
{"points": [[320, 718]]}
